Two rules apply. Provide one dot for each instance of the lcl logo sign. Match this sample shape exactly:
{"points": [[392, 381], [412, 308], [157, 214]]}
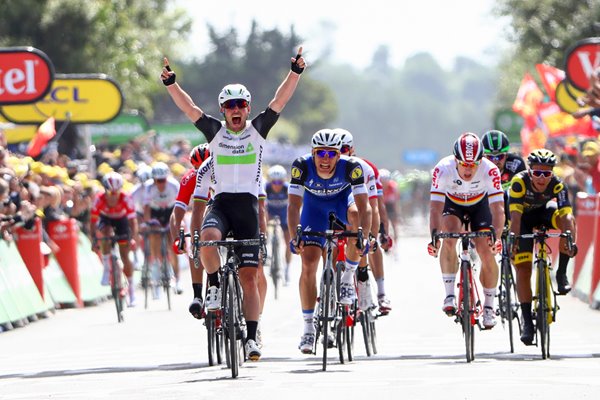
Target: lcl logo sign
{"points": [[26, 75]]}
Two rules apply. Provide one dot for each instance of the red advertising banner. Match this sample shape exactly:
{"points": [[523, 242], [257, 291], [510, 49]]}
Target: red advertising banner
{"points": [[26, 75]]}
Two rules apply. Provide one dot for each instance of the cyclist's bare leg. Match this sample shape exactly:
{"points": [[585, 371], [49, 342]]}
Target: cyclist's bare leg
{"points": [[209, 254], [262, 286], [488, 276], [524, 281], [308, 276], [251, 300], [288, 254]]}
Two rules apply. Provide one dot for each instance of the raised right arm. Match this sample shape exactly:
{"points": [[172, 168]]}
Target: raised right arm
{"points": [[182, 100]]}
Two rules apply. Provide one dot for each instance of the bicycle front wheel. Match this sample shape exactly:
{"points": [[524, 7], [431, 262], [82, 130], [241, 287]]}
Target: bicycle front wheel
{"points": [[211, 337], [166, 273], [506, 304], [543, 312], [325, 317], [275, 264], [466, 316], [117, 287], [232, 319]]}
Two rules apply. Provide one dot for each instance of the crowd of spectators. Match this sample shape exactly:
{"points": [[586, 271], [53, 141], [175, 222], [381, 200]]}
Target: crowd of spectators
{"points": [[55, 187]]}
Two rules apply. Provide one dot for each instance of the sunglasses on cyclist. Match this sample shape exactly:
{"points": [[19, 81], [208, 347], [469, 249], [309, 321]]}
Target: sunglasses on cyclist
{"points": [[277, 182], [329, 153], [538, 173], [345, 149], [468, 164], [495, 157], [160, 180], [239, 103]]}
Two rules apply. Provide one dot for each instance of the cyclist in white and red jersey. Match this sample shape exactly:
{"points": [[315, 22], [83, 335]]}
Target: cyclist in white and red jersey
{"points": [[379, 221], [159, 200], [187, 185], [466, 188], [237, 144], [391, 198], [114, 211]]}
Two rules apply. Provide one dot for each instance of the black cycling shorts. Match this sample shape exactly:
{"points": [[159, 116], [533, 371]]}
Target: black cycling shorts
{"points": [[238, 213], [475, 217], [162, 215], [120, 226], [543, 216]]}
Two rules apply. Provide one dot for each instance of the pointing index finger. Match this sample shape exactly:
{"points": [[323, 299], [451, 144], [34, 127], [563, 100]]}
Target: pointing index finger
{"points": [[300, 51]]}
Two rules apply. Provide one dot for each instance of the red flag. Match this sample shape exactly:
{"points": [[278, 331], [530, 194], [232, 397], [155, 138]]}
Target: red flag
{"points": [[44, 134], [550, 77], [559, 123], [529, 97]]}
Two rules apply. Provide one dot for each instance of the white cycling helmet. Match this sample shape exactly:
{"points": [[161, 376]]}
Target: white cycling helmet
{"points": [[112, 182], [234, 91], [326, 138], [385, 175], [346, 136], [160, 170], [276, 172], [144, 172]]}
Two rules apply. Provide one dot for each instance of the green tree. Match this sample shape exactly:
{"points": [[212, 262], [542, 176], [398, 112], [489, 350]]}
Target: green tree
{"points": [[124, 39], [541, 32]]}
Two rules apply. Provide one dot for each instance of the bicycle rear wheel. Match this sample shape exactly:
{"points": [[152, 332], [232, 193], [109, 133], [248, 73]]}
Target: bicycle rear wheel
{"points": [[466, 316], [365, 317], [341, 336], [373, 332], [211, 337]]}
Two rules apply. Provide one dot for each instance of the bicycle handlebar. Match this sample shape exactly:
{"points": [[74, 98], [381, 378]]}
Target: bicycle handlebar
{"points": [[331, 234], [460, 235], [541, 235]]}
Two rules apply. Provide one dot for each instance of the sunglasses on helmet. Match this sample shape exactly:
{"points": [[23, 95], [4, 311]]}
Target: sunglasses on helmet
{"points": [[345, 149], [239, 103], [329, 153], [538, 173]]}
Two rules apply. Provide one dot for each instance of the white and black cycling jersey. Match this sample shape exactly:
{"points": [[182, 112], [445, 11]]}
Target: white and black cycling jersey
{"points": [[157, 199], [237, 156]]}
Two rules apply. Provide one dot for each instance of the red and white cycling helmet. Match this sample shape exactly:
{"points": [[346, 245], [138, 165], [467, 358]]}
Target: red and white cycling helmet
{"points": [[468, 148], [199, 154], [112, 182]]}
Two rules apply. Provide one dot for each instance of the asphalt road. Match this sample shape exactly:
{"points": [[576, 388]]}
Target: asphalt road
{"points": [[161, 354]]}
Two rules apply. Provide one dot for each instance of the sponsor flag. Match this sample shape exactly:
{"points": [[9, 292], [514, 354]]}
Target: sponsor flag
{"points": [[550, 77], [44, 134], [529, 97]]}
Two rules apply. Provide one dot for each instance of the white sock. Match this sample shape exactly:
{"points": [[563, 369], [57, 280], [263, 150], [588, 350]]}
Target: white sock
{"points": [[309, 323], [348, 275], [106, 261], [489, 294], [449, 283], [131, 287]]}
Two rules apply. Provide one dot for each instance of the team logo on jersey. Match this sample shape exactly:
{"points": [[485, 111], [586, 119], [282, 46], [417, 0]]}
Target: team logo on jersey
{"points": [[249, 148], [296, 173], [357, 173]]}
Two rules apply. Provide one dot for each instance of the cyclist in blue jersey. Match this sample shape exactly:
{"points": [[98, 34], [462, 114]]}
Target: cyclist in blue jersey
{"points": [[322, 182], [277, 200], [237, 144]]}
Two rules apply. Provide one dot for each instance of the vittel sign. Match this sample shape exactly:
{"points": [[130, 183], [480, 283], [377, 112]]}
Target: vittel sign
{"points": [[26, 75]]}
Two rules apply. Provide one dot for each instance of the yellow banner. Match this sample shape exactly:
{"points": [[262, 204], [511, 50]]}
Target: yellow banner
{"points": [[17, 133], [86, 99]]}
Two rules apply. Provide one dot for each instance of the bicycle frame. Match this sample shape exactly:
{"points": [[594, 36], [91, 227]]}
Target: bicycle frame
{"points": [[165, 271], [116, 275], [469, 305], [544, 302]]}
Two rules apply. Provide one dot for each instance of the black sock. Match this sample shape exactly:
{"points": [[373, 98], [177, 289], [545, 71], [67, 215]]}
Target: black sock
{"points": [[213, 279], [362, 274], [197, 290], [563, 260], [251, 326], [526, 311]]}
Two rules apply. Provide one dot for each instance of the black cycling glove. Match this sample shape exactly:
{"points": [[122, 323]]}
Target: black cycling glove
{"points": [[295, 67], [171, 79]]}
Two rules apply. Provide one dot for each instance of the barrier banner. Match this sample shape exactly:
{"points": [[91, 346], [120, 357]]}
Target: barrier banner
{"points": [[28, 243], [588, 210], [90, 272], [58, 289], [65, 234]]}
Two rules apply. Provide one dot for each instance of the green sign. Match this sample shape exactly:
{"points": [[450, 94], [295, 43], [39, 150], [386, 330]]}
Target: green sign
{"points": [[122, 129], [509, 122], [168, 133]]}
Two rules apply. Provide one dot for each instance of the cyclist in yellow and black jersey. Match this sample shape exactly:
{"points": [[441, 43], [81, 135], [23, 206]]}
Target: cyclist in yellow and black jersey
{"points": [[538, 198]]}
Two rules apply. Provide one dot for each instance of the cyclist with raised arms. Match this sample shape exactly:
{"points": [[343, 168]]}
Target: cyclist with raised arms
{"points": [[466, 193], [379, 220], [276, 190], [187, 184], [159, 201], [322, 182], [538, 197], [114, 211], [237, 144]]}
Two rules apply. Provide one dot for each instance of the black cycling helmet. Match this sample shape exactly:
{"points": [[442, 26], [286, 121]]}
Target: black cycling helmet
{"points": [[541, 157], [495, 142]]}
